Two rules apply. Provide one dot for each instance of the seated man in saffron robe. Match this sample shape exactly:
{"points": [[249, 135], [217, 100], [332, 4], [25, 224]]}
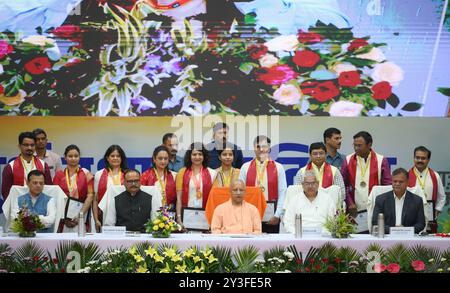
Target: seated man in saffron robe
{"points": [[236, 216]]}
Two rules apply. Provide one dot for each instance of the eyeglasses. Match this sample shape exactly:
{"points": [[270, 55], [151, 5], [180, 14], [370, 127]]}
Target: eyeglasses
{"points": [[310, 184], [134, 182]]}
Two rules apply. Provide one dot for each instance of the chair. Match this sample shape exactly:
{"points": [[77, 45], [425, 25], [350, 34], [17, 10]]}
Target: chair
{"points": [[108, 206], [294, 190], [51, 190], [219, 195], [334, 192], [380, 189]]}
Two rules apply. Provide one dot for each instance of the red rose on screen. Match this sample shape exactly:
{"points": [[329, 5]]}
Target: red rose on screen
{"points": [[381, 90], [257, 51], [349, 78], [325, 91], [38, 65], [357, 43], [67, 31], [5, 48], [2, 89], [276, 75], [308, 87], [308, 38], [306, 58]]}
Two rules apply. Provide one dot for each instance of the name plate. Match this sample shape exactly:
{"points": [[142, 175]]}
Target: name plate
{"points": [[311, 231], [114, 230], [402, 232]]}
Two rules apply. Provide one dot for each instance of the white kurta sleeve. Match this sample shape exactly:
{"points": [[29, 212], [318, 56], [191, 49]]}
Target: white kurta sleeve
{"points": [[282, 186], [49, 219], [440, 201]]}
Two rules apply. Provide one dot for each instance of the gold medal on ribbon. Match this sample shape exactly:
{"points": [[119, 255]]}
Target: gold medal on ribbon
{"points": [[263, 188], [363, 184], [199, 194]]}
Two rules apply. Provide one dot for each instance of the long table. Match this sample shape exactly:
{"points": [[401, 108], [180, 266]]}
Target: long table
{"points": [[359, 242]]}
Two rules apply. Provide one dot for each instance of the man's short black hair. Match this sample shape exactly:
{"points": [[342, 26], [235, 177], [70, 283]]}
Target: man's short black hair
{"points": [[328, 133], [260, 138], [400, 171], [317, 146], [26, 134], [167, 136], [35, 173], [365, 135], [220, 125], [38, 131]]}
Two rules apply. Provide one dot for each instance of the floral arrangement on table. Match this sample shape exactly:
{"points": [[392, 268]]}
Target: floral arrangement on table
{"points": [[341, 225], [26, 223], [153, 258], [162, 225], [144, 67]]}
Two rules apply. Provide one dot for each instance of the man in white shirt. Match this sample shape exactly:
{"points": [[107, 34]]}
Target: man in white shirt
{"points": [[400, 207], [314, 205], [52, 159], [270, 176], [428, 180], [37, 202]]}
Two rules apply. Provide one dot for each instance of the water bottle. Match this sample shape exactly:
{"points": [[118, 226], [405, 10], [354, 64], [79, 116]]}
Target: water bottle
{"points": [[298, 226], [380, 225], [81, 227]]}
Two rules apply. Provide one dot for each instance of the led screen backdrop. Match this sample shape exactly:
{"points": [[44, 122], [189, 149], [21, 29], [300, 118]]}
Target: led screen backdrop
{"points": [[197, 57]]}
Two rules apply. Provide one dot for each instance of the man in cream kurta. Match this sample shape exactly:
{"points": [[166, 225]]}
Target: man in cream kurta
{"points": [[314, 205], [428, 180], [236, 216]]}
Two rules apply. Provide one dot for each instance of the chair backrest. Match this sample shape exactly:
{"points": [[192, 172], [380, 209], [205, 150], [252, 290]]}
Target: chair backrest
{"points": [[380, 189], [108, 199], [334, 192], [292, 192], [51, 190]]}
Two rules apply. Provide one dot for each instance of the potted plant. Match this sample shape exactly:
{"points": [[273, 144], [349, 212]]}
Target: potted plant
{"points": [[340, 225], [26, 223], [162, 225]]}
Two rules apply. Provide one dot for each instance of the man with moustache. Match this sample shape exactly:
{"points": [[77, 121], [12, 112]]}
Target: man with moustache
{"points": [[220, 136], [52, 159], [332, 138], [170, 140], [16, 172], [427, 179], [361, 171]]}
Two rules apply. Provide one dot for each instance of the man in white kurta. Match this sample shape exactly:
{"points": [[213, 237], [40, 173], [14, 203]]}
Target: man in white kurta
{"points": [[314, 205]]}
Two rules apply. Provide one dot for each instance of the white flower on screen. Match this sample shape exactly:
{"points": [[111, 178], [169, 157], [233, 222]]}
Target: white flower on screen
{"points": [[282, 43], [376, 54], [287, 94], [389, 72], [38, 40], [268, 60], [342, 67], [346, 109]]}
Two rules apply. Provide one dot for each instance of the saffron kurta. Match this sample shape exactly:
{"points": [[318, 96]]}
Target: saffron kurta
{"points": [[230, 219]]}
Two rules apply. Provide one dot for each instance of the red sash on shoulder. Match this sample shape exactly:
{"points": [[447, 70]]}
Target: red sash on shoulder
{"points": [[19, 172], [327, 179], [272, 178], [373, 175], [82, 183], [149, 178], [413, 178], [103, 184], [207, 184]]}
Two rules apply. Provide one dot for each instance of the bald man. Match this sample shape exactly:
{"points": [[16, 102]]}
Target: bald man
{"points": [[236, 216]]}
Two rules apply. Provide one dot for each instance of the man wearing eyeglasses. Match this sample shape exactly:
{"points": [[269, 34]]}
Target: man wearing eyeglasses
{"points": [[326, 174], [313, 204], [132, 207], [16, 172]]}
